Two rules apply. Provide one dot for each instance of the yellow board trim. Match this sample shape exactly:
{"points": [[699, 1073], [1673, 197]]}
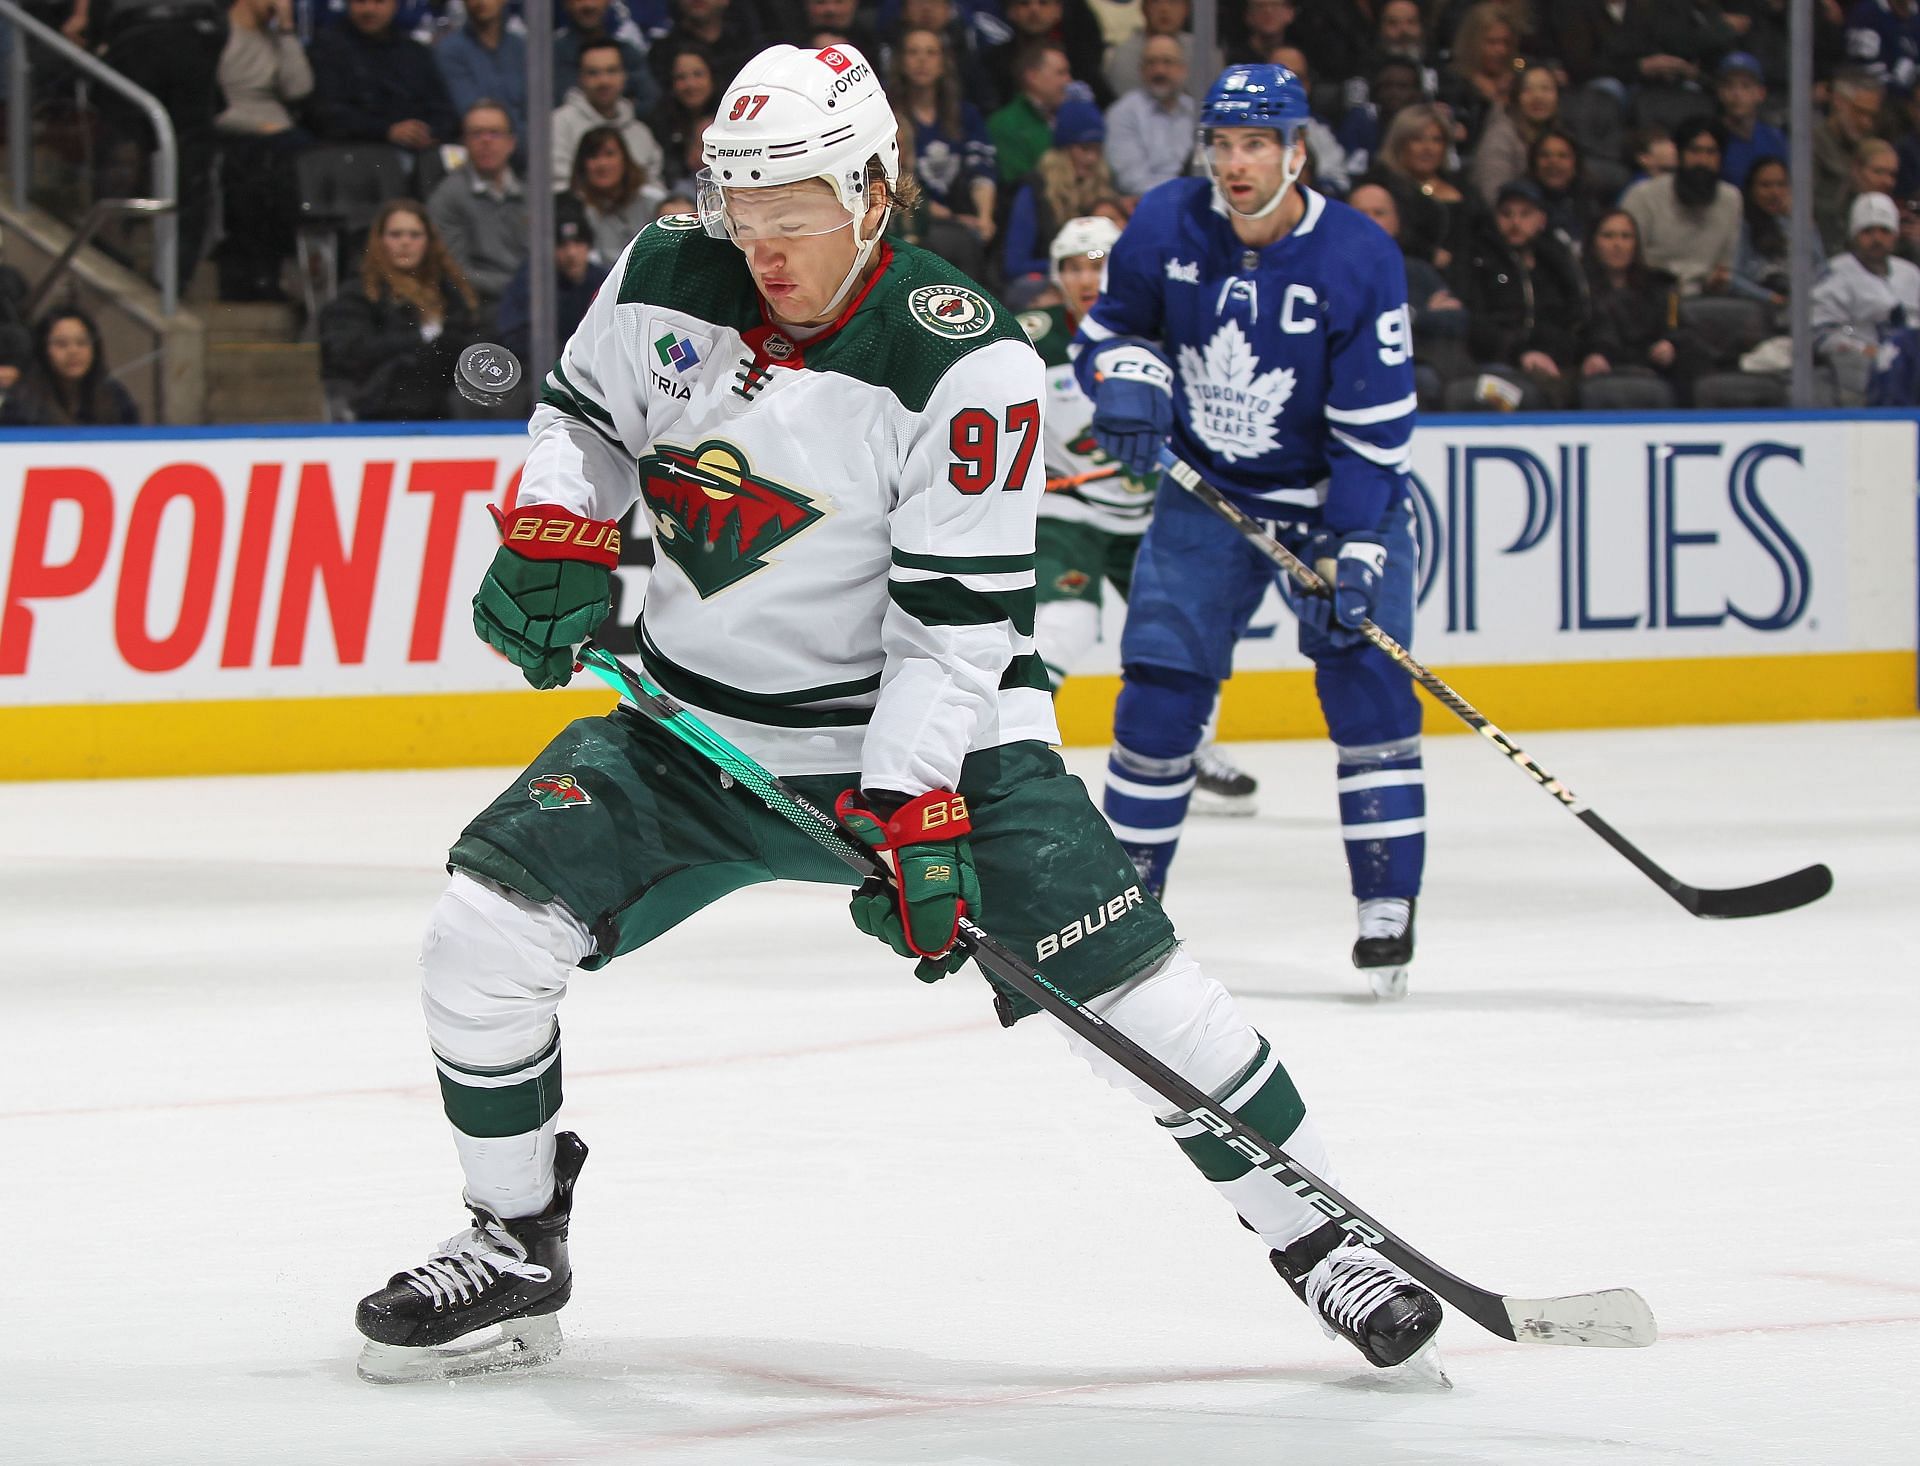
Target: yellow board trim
{"points": [[448, 730], [1641, 694]]}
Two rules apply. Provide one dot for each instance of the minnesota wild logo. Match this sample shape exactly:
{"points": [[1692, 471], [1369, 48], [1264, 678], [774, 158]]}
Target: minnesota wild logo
{"points": [[715, 517], [557, 791]]}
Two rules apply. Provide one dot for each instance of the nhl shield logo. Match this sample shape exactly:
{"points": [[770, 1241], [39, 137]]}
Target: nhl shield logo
{"points": [[714, 516], [557, 791], [952, 311]]}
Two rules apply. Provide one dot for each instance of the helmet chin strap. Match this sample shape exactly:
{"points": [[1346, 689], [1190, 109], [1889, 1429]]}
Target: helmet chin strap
{"points": [[1289, 175]]}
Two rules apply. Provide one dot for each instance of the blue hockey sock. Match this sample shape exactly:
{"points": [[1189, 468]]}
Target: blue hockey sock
{"points": [[1383, 817], [1146, 803]]}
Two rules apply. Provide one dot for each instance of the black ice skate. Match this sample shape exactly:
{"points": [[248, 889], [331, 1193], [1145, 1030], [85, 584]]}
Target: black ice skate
{"points": [[1221, 787], [511, 1273], [1385, 949], [1361, 1297]]}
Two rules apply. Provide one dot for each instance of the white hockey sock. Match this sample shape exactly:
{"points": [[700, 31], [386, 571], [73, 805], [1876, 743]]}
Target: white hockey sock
{"points": [[493, 968], [1191, 1024]]}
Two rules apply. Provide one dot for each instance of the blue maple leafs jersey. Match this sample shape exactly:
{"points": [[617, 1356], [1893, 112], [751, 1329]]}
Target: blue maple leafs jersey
{"points": [[1293, 364]]}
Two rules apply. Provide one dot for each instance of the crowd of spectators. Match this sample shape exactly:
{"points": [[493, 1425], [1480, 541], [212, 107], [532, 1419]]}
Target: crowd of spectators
{"points": [[1591, 196]]}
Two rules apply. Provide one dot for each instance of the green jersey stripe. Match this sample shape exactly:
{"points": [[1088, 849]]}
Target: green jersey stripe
{"points": [[515, 1110], [587, 404], [481, 1072], [963, 564], [1026, 671], [949, 603], [774, 709]]}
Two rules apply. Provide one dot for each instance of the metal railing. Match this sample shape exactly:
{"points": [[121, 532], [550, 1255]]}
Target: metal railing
{"points": [[164, 205], [102, 210]]}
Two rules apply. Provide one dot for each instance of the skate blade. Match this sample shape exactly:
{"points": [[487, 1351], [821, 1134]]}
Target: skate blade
{"points": [[1388, 984], [1224, 806], [521, 1343], [1420, 1371]]}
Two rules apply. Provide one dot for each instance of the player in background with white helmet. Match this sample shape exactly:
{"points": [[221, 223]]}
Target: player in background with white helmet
{"points": [[837, 442], [1265, 328], [1091, 523]]}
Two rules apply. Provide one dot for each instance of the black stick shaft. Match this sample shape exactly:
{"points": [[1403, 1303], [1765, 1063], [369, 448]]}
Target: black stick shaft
{"points": [[1762, 899], [1485, 1308]]}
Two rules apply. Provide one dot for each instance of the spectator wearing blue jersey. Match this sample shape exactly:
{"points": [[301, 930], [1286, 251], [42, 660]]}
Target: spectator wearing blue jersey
{"points": [[1266, 328], [1742, 90], [1883, 36], [953, 157], [1071, 177]]}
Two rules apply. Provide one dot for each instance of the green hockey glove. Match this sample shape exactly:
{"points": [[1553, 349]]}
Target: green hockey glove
{"points": [[924, 842], [548, 589]]}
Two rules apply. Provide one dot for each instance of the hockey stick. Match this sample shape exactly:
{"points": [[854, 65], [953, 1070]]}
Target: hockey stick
{"points": [[1783, 893], [1614, 1318], [1074, 480]]}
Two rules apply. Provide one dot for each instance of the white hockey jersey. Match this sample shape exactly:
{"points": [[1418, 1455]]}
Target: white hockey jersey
{"points": [[1120, 503], [844, 525]]}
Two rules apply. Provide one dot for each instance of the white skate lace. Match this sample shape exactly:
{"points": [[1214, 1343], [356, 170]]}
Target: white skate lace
{"points": [[1384, 917], [464, 1266], [1210, 762], [1349, 1283]]}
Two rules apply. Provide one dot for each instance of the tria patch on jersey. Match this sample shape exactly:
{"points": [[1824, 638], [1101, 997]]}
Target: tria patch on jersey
{"points": [[952, 311], [1233, 406], [1036, 324], [557, 791], [677, 350], [714, 516]]}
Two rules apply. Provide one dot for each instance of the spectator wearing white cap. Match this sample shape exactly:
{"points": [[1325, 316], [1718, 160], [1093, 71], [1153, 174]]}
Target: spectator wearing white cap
{"points": [[1865, 292]]}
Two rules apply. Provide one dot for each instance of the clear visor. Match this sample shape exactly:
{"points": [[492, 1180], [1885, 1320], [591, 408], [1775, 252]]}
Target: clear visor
{"points": [[756, 215]]}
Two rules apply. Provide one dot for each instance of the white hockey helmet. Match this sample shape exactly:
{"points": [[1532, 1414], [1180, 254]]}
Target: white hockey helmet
{"points": [[793, 114], [1090, 234]]}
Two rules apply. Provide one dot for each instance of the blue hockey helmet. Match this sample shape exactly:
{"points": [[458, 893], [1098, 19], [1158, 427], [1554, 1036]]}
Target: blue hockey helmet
{"points": [[1256, 95]]}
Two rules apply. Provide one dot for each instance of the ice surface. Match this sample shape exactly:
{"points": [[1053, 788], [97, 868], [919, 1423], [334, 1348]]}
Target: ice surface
{"points": [[835, 1216]]}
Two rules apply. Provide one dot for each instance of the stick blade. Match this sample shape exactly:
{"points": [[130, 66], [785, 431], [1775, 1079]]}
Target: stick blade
{"points": [[1785, 893], [1615, 1318]]}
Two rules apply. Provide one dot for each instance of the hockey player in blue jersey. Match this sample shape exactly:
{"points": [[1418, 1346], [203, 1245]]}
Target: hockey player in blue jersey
{"points": [[1264, 328]]}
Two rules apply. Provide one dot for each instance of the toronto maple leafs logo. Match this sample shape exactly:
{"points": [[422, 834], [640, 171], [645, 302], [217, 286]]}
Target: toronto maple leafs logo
{"points": [[1234, 407]]}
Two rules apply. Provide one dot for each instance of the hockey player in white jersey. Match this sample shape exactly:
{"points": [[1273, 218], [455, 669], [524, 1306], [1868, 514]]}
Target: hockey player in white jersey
{"points": [[836, 441], [1265, 328], [1095, 511]]}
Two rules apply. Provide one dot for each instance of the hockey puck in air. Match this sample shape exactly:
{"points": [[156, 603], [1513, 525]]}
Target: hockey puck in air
{"points": [[486, 373]]}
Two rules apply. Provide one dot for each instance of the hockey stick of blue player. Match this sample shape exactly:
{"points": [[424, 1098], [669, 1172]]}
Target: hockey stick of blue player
{"points": [[1614, 1318], [1783, 893]]}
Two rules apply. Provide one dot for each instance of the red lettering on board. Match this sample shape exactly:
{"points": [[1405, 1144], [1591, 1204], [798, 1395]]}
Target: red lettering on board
{"points": [[448, 483], [316, 552], [30, 577], [250, 564], [198, 486]]}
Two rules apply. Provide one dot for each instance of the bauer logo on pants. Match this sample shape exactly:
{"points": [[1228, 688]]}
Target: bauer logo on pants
{"points": [[557, 791], [1085, 926]]}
